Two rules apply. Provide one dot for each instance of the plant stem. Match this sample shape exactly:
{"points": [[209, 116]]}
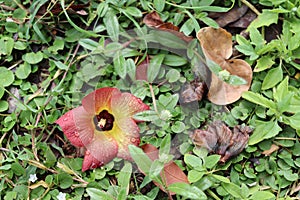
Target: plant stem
{"points": [[247, 3]]}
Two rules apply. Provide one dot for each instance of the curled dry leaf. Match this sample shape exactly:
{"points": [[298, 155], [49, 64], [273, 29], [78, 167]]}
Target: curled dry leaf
{"points": [[272, 149], [218, 138], [171, 172], [153, 20], [193, 91], [232, 16], [217, 47]]}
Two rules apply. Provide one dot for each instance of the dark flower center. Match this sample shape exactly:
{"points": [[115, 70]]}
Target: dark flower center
{"points": [[104, 121]]}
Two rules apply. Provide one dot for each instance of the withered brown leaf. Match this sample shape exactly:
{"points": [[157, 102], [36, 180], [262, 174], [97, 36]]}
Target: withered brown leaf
{"points": [[218, 138], [217, 46], [193, 91], [232, 16], [153, 20]]}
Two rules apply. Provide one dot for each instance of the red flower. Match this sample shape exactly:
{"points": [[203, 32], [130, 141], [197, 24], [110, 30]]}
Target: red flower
{"points": [[103, 125]]}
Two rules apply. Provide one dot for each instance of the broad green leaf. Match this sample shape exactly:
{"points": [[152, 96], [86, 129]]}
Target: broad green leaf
{"points": [[88, 44], [154, 67], [155, 169], [112, 25], [134, 11], [166, 39], [221, 178], [264, 130], [64, 180], [290, 176], [174, 60], [263, 63], [6, 76], [173, 75], [256, 38], [281, 91], [124, 176], [266, 18], [140, 158], [120, 65], [159, 5], [294, 120], [211, 161], [192, 160], [97, 194], [178, 127], [187, 191], [195, 175], [210, 22], [6, 46], [262, 195], [232, 189], [244, 46], [33, 58], [273, 77], [259, 99], [23, 71], [165, 145], [188, 27], [60, 65], [3, 105], [11, 27]]}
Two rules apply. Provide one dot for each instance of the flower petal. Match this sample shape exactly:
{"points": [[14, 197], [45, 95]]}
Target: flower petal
{"points": [[126, 105], [100, 151], [128, 134], [77, 125], [98, 100]]}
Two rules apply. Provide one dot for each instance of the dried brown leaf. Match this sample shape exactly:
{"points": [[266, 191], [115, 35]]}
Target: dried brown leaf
{"points": [[218, 138], [193, 91], [153, 20], [272, 149], [244, 21], [217, 46], [141, 70], [171, 172], [232, 16]]}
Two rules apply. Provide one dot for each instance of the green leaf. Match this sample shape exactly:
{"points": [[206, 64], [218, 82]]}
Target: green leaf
{"points": [[294, 121], [281, 91], [211, 161], [232, 189], [97, 194], [112, 25], [259, 99], [6, 46], [173, 75], [88, 44], [257, 38], [23, 71], [124, 176], [155, 169], [147, 115], [65, 180], [140, 158], [33, 58], [263, 63], [60, 65], [266, 18], [273, 77], [154, 67], [221, 178], [120, 65], [3, 105], [159, 5], [174, 60], [290, 176], [165, 145], [192, 160], [178, 127], [187, 191], [245, 47], [210, 22], [133, 11], [166, 39], [6, 76], [264, 130], [195, 175], [17, 168], [262, 195], [11, 27]]}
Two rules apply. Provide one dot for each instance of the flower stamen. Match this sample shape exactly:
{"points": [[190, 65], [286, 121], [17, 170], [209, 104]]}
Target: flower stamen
{"points": [[104, 121]]}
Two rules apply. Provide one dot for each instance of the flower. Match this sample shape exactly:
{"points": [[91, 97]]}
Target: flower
{"points": [[61, 196], [32, 178], [104, 125]]}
